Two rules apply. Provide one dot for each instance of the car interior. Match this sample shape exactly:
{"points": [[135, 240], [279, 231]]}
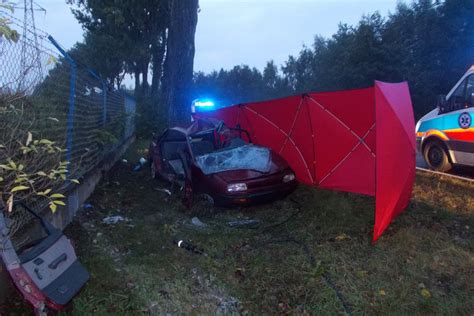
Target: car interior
{"points": [[170, 156], [202, 142]]}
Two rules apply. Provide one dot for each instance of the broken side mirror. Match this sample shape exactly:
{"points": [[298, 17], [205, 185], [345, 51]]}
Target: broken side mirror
{"points": [[441, 103]]}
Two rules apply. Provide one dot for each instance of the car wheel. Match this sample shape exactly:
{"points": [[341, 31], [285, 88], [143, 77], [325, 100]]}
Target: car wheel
{"points": [[436, 156], [153, 170]]}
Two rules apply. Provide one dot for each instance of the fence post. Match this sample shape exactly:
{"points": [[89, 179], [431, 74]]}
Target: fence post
{"points": [[104, 110], [72, 94]]}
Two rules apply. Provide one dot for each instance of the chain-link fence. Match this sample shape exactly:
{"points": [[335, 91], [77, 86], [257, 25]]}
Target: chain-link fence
{"points": [[59, 99]]}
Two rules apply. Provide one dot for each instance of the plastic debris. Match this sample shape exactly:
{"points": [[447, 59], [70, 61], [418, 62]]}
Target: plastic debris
{"points": [[189, 247], [141, 162], [244, 223], [197, 222], [87, 206], [111, 220], [164, 190]]}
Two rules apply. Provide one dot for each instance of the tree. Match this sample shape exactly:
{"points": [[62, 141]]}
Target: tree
{"points": [[178, 66], [126, 33]]}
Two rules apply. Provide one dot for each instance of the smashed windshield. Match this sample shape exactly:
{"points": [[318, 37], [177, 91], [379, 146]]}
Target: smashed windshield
{"points": [[239, 158]]}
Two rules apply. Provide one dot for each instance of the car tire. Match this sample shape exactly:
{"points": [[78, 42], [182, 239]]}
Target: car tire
{"points": [[436, 156]]}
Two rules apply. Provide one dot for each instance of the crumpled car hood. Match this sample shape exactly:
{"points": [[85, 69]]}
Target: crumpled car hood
{"points": [[248, 157]]}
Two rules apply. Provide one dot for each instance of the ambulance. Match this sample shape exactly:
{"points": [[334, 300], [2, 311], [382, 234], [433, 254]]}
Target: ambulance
{"points": [[445, 136]]}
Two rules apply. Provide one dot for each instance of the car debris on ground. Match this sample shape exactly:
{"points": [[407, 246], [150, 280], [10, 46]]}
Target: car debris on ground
{"points": [[197, 222], [42, 263], [164, 190], [189, 247], [244, 223], [141, 162], [111, 220], [87, 206]]}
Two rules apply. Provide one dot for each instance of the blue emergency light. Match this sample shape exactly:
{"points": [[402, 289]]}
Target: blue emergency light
{"points": [[204, 104]]}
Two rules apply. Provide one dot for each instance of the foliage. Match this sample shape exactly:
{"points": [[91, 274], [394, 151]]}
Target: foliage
{"points": [[429, 44], [30, 167], [241, 84], [123, 36], [5, 30]]}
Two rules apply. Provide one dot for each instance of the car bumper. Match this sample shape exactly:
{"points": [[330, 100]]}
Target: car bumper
{"points": [[257, 196]]}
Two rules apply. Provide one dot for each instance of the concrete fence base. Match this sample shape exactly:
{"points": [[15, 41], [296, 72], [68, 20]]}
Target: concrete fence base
{"points": [[74, 200]]}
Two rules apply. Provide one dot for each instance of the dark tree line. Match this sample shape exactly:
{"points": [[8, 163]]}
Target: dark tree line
{"points": [[429, 44]]}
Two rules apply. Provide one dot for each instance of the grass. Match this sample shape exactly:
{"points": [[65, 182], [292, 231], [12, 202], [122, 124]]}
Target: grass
{"points": [[310, 255]]}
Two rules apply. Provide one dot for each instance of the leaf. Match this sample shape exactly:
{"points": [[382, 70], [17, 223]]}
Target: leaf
{"points": [[12, 164], [53, 207], [382, 293], [47, 191], [29, 139], [6, 167], [10, 203], [1, 179], [20, 180], [7, 6], [46, 142], [52, 60], [57, 196], [19, 188], [41, 173], [58, 202], [342, 237], [425, 293], [53, 119], [73, 181]]}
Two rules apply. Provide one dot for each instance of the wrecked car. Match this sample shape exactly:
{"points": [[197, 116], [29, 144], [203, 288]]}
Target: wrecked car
{"points": [[221, 163]]}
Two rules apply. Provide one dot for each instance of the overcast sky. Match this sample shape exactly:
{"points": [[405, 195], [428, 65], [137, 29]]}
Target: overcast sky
{"points": [[233, 32]]}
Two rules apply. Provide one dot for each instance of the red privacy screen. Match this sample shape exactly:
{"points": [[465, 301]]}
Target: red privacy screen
{"points": [[360, 141]]}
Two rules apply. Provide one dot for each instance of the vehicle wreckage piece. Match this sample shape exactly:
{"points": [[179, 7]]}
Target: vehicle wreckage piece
{"points": [[45, 271]]}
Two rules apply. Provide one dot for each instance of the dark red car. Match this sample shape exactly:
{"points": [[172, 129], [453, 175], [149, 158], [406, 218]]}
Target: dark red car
{"points": [[221, 163]]}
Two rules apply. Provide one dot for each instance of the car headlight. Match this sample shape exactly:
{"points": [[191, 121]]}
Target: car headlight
{"points": [[236, 187], [289, 177]]}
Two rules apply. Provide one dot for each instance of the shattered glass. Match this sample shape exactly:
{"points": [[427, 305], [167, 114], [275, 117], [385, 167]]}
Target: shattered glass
{"points": [[240, 158]]}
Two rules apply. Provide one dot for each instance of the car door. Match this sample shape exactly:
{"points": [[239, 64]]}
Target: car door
{"points": [[40, 259], [458, 122]]}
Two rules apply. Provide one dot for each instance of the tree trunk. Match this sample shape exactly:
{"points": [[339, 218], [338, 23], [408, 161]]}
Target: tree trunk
{"points": [[137, 81], [145, 77], [158, 52], [178, 67]]}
